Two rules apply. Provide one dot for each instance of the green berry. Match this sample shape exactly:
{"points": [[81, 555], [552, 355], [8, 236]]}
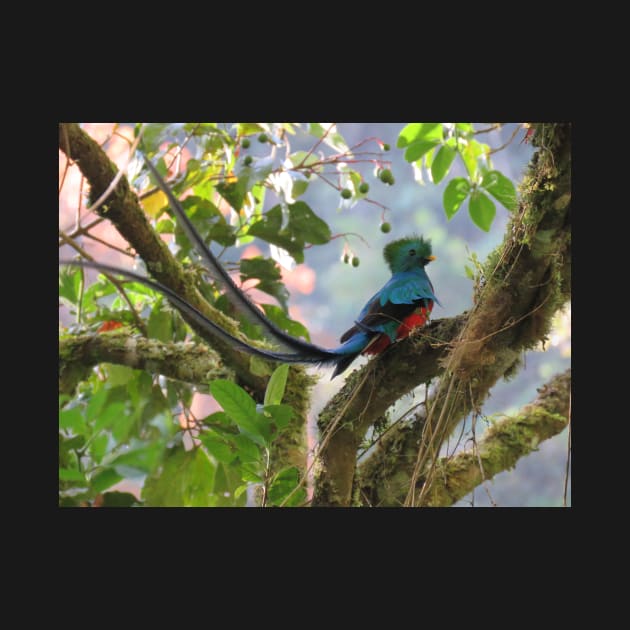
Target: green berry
{"points": [[346, 259], [248, 160], [346, 193], [355, 261], [385, 175], [364, 187], [386, 147], [386, 227], [245, 143], [263, 137], [391, 181]]}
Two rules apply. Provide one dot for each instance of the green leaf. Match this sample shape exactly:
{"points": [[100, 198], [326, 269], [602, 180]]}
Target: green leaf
{"points": [[501, 188], [284, 322], [469, 272], [105, 479], [276, 385], [234, 192], [283, 484], [418, 149], [464, 127], [72, 419], [234, 400], [98, 447], [332, 138], [67, 446], [199, 210], [482, 210], [186, 479], [70, 284], [240, 406], [455, 193], [71, 474], [269, 229], [142, 458], [108, 415], [268, 272], [442, 163], [279, 415], [119, 374], [222, 450], [248, 451], [250, 473], [413, 132], [219, 420], [306, 225], [160, 324], [470, 154], [154, 135], [246, 129]]}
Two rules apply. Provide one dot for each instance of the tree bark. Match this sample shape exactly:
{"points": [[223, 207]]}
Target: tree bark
{"points": [[193, 363]]}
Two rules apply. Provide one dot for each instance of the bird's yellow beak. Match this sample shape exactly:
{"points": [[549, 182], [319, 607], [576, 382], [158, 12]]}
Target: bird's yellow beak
{"points": [[431, 258]]}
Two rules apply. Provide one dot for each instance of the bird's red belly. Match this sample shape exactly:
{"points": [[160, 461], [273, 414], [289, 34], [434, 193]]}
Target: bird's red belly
{"points": [[417, 319]]}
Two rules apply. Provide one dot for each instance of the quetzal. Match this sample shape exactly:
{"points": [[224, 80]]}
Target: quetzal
{"points": [[404, 302]]}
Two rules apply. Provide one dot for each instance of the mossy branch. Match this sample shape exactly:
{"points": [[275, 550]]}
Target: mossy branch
{"points": [[384, 478], [503, 444], [193, 363]]}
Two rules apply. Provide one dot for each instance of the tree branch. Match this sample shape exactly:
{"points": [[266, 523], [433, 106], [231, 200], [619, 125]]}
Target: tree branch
{"points": [[192, 363], [501, 446], [527, 279]]}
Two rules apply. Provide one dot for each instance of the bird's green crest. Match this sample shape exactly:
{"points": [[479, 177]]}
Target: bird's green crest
{"points": [[407, 253]]}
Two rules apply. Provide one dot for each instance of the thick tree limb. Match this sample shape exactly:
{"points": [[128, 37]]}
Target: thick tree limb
{"points": [[501, 446], [526, 281], [192, 363]]}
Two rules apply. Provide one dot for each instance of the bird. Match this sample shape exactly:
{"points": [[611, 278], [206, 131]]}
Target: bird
{"points": [[404, 303]]}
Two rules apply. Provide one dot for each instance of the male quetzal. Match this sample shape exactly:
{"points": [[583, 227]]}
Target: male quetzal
{"points": [[404, 302]]}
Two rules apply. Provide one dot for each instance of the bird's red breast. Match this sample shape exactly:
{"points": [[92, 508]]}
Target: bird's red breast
{"points": [[417, 319]]}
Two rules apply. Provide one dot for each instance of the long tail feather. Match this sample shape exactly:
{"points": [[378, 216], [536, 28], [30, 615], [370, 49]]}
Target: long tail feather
{"points": [[239, 299], [315, 355]]}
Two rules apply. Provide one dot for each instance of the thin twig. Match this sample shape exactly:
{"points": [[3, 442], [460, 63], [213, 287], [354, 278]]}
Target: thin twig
{"points": [[487, 129], [506, 144], [118, 249], [316, 145], [77, 216]]}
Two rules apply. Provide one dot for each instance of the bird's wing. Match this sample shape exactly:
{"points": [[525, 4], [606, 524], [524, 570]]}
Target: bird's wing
{"points": [[386, 310]]}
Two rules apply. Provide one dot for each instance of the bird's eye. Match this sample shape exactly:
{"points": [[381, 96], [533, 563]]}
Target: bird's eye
{"points": [[412, 252]]}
